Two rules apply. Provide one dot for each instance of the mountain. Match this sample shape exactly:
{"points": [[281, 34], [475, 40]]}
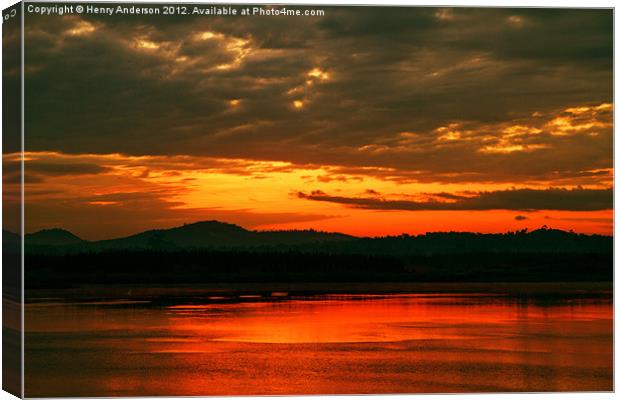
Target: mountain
{"points": [[199, 234], [212, 251], [214, 234], [221, 235], [52, 237]]}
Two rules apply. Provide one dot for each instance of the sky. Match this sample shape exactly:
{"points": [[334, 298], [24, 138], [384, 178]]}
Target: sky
{"points": [[369, 121]]}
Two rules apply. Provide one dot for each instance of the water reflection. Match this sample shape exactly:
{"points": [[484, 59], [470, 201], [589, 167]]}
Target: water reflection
{"points": [[327, 344]]}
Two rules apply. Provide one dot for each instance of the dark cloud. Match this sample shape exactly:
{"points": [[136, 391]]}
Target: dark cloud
{"points": [[36, 171], [144, 85], [515, 199], [58, 169], [521, 218]]}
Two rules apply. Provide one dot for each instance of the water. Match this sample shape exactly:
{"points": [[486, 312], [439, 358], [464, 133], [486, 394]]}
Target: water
{"points": [[323, 344]]}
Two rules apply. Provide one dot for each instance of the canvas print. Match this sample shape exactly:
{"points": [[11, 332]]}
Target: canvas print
{"points": [[213, 199]]}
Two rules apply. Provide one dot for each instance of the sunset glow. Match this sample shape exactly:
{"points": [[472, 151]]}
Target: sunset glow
{"points": [[269, 131], [171, 190]]}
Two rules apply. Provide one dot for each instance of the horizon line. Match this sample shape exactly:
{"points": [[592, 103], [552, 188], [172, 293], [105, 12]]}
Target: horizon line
{"points": [[524, 230]]}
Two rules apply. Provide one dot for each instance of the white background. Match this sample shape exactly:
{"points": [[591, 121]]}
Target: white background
{"points": [[485, 3]]}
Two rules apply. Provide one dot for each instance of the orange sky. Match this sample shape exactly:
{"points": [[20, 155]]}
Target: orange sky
{"points": [[127, 194], [364, 121]]}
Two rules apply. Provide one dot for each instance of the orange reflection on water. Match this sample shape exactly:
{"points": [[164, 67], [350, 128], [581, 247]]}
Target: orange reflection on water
{"points": [[331, 320], [330, 344]]}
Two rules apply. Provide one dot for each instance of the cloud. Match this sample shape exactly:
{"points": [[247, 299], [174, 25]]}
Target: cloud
{"points": [[391, 79], [123, 112], [57, 169], [521, 218], [514, 199]]}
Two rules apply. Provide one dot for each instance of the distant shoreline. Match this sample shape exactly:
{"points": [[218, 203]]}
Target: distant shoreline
{"points": [[261, 291]]}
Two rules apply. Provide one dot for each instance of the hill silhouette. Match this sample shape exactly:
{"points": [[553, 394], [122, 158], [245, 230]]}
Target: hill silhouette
{"points": [[212, 251], [221, 235], [213, 234], [52, 237], [204, 234]]}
